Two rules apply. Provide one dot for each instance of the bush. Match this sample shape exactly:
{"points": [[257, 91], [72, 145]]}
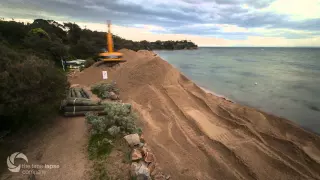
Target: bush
{"points": [[119, 120], [117, 114], [99, 146], [114, 131], [31, 88], [103, 90]]}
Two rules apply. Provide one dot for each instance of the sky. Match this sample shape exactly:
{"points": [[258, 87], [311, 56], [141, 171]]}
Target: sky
{"points": [[205, 22]]}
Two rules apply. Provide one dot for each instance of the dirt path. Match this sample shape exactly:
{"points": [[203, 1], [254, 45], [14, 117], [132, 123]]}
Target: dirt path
{"points": [[63, 144]]}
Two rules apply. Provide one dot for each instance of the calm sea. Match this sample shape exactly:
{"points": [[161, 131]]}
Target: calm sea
{"points": [[281, 81]]}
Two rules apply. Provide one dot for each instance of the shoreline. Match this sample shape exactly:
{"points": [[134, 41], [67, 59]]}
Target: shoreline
{"points": [[215, 94], [197, 129], [258, 109]]}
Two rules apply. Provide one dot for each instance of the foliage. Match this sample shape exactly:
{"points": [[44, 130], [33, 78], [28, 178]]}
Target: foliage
{"points": [[82, 49], [103, 90], [58, 50], [30, 88], [119, 120], [116, 115], [99, 146], [39, 32], [100, 171], [114, 131], [58, 41], [13, 32], [89, 62], [105, 133], [74, 32]]}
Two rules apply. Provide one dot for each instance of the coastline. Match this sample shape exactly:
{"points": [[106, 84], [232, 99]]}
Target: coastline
{"points": [[202, 134], [215, 94]]}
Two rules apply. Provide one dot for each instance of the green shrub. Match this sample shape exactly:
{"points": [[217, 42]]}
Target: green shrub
{"points": [[103, 90], [119, 120], [99, 145], [30, 89], [114, 131], [117, 114]]}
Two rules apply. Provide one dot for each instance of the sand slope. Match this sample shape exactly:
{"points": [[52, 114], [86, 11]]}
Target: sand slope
{"points": [[196, 135]]}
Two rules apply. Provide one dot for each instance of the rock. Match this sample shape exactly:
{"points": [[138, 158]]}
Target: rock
{"points": [[149, 157], [159, 176], [135, 155], [132, 139], [151, 167], [113, 96], [141, 145], [142, 138], [168, 177], [145, 149], [142, 177], [140, 169], [134, 166]]}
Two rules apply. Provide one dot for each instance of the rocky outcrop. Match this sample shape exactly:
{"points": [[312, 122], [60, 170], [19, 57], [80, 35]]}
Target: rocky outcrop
{"points": [[143, 164]]}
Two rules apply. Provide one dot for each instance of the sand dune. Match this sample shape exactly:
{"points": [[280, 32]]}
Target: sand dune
{"points": [[196, 135]]}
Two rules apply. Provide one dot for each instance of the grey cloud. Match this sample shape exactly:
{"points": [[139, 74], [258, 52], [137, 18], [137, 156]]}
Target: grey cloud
{"points": [[167, 16], [253, 3]]}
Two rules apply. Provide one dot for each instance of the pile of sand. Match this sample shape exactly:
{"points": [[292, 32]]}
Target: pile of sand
{"points": [[196, 135]]}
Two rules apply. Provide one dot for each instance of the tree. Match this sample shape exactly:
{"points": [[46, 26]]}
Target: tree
{"points": [[51, 27], [30, 88], [37, 43], [58, 50], [83, 49], [74, 32], [39, 32], [12, 31]]}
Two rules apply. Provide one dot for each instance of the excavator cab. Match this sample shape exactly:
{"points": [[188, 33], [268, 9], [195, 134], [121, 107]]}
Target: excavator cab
{"points": [[110, 56]]}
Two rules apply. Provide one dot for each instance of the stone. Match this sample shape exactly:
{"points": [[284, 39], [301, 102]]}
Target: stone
{"points": [[135, 155], [134, 166], [145, 149], [159, 176], [132, 139], [142, 138], [149, 157], [140, 169], [168, 177], [151, 167], [113, 96], [140, 145], [142, 177]]}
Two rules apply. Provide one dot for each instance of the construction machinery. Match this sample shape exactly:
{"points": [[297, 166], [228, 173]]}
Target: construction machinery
{"points": [[110, 56]]}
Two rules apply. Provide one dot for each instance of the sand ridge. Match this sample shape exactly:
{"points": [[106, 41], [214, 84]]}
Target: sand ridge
{"points": [[196, 135]]}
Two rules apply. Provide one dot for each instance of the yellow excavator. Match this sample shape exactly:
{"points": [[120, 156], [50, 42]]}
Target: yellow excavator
{"points": [[110, 56]]}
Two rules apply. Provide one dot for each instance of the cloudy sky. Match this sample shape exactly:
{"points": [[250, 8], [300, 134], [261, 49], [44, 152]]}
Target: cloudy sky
{"points": [[206, 22]]}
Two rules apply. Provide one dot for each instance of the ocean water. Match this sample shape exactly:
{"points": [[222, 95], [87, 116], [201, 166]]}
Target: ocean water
{"points": [[281, 81]]}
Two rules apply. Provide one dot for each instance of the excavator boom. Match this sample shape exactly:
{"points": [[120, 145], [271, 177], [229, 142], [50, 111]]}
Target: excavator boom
{"points": [[109, 38], [111, 56]]}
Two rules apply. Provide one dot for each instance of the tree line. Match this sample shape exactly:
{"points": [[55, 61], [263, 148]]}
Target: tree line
{"points": [[68, 41]]}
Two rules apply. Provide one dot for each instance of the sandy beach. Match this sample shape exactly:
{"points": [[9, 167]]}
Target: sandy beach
{"points": [[197, 135]]}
